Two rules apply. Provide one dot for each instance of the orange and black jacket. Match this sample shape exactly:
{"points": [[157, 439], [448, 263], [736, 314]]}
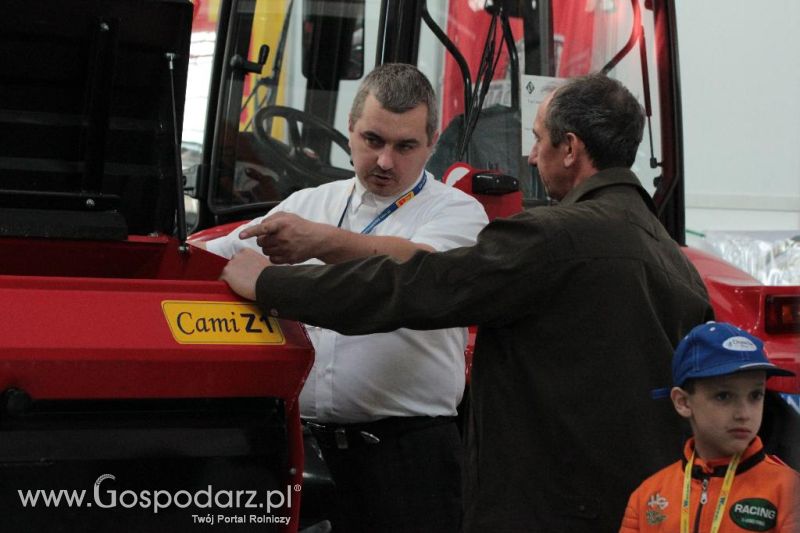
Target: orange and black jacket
{"points": [[765, 496]]}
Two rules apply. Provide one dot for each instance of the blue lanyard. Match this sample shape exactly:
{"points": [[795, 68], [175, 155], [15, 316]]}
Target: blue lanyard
{"points": [[391, 208]]}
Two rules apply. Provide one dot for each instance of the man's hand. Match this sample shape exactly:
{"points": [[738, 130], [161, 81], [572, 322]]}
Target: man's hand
{"points": [[288, 239], [242, 271]]}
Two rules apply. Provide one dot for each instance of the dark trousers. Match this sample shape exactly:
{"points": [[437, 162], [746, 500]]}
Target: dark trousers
{"points": [[407, 481]]}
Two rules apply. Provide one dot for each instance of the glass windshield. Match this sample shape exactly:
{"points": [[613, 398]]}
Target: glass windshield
{"points": [[551, 42], [282, 125]]}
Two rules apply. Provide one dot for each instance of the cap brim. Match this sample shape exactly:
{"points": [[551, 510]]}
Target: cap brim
{"points": [[778, 371], [735, 368], [769, 368]]}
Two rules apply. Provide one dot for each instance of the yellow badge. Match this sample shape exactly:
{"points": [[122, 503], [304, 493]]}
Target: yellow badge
{"points": [[220, 323]]}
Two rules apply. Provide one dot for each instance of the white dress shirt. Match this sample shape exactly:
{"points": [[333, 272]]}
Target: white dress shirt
{"points": [[404, 372]]}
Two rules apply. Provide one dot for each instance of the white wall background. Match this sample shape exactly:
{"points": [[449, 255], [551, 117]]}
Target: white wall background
{"points": [[740, 81]]}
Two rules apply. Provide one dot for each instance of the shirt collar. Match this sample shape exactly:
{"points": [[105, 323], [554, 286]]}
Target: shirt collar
{"points": [[361, 196]]}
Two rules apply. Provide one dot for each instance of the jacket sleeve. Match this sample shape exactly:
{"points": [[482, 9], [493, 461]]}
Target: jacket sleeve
{"points": [[490, 283], [791, 510], [630, 522]]}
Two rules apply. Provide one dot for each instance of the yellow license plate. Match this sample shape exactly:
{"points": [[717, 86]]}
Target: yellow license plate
{"points": [[220, 323]]}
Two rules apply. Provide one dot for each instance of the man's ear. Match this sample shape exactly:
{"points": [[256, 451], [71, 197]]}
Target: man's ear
{"points": [[573, 148], [680, 399], [350, 135], [434, 139]]}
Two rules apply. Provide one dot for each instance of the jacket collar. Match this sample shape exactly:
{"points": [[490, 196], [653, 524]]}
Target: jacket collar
{"points": [[607, 178], [753, 455]]}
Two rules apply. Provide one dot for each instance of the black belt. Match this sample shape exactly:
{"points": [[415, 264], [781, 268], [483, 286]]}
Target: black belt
{"points": [[344, 436]]}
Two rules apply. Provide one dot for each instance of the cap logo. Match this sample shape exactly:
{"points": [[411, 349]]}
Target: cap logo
{"points": [[739, 344]]}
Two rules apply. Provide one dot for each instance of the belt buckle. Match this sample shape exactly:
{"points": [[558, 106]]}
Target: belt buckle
{"points": [[369, 438], [340, 435]]}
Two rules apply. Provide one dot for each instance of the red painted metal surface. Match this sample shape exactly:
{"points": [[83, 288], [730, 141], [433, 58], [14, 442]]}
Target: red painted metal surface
{"points": [[216, 231], [741, 300], [84, 320]]}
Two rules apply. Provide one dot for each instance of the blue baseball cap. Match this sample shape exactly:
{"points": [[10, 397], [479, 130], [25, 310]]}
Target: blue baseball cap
{"points": [[717, 349]]}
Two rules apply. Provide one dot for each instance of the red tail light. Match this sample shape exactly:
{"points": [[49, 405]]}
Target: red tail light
{"points": [[782, 314]]}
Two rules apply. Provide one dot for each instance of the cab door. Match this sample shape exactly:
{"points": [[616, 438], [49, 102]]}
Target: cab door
{"points": [[273, 81]]}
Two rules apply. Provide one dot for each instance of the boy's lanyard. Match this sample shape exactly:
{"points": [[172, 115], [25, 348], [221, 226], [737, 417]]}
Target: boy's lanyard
{"points": [[721, 501], [391, 208]]}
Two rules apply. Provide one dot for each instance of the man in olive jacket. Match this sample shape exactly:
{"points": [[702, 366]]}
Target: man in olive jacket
{"points": [[579, 307]]}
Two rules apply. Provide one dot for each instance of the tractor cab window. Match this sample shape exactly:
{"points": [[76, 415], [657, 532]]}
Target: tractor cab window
{"points": [[271, 83], [497, 61], [276, 79]]}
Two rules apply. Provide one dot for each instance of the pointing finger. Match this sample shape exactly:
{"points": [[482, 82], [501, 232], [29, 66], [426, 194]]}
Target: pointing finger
{"points": [[265, 228]]}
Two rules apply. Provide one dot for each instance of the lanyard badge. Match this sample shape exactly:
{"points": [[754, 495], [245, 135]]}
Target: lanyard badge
{"points": [[391, 208], [722, 501]]}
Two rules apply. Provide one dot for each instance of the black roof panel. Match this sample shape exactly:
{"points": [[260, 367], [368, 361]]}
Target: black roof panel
{"points": [[86, 110]]}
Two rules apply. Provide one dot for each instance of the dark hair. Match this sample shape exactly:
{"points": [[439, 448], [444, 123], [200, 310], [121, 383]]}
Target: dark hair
{"points": [[603, 114], [398, 87], [688, 385]]}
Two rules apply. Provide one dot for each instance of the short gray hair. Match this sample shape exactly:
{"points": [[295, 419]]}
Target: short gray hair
{"points": [[603, 114], [398, 87]]}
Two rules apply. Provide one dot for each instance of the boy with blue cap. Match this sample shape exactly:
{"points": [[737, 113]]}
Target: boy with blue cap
{"points": [[725, 482]]}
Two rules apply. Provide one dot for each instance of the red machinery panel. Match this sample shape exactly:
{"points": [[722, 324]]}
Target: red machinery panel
{"points": [[111, 330], [141, 335], [742, 300]]}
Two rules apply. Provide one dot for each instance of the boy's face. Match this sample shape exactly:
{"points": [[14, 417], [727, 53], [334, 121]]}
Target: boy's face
{"points": [[724, 412]]}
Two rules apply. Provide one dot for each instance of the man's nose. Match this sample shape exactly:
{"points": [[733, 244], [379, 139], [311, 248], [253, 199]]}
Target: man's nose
{"points": [[385, 159], [533, 155]]}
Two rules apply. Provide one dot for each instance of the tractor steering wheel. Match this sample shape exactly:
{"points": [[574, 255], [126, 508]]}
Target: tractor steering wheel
{"points": [[303, 165]]}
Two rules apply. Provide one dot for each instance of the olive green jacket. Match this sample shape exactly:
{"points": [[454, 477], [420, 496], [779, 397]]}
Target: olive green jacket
{"points": [[578, 307]]}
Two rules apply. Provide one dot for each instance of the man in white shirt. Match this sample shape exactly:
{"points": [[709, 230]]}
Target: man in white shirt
{"points": [[383, 405]]}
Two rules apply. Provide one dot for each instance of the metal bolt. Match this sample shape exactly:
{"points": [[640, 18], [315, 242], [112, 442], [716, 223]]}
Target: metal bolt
{"points": [[89, 203], [104, 26]]}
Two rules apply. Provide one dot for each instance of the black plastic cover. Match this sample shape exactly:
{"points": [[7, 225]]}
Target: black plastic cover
{"points": [[86, 111]]}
